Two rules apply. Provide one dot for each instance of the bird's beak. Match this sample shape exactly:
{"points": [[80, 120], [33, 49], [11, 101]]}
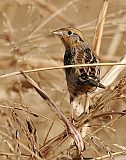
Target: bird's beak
{"points": [[58, 33]]}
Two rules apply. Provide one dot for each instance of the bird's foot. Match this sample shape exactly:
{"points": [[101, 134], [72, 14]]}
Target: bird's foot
{"points": [[72, 120]]}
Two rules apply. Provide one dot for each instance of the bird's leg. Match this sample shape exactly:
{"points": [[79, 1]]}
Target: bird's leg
{"points": [[87, 101], [86, 110], [72, 111]]}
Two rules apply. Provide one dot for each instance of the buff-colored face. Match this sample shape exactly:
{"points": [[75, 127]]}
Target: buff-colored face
{"points": [[69, 35]]}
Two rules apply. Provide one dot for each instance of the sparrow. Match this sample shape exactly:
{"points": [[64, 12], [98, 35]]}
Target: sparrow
{"points": [[80, 80]]}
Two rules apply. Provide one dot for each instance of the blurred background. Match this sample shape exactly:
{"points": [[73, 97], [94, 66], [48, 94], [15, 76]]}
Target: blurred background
{"points": [[26, 43]]}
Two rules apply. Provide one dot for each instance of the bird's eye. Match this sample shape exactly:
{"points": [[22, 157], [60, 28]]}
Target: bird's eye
{"points": [[69, 33]]}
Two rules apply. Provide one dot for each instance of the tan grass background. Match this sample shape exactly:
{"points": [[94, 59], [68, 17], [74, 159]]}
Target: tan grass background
{"points": [[26, 43]]}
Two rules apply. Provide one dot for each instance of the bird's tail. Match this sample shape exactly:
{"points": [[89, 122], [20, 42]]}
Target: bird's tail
{"points": [[101, 85], [95, 83]]}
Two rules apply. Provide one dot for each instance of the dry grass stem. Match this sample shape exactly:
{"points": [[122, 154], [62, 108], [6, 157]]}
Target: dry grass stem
{"points": [[99, 28], [113, 73], [60, 67], [71, 129]]}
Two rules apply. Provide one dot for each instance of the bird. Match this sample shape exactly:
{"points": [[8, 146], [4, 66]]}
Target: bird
{"points": [[80, 80]]}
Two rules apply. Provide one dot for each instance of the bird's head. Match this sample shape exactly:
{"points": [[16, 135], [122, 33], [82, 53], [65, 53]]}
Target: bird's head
{"points": [[69, 36]]}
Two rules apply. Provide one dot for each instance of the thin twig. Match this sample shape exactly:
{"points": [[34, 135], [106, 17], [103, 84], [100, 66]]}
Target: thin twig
{"points": [[107, 156], [59, 67], [75, 134], [33, 113], [22, 145]]}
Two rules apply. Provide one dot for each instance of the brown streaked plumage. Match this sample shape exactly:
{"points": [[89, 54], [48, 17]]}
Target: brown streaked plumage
{"points": [[77, 51]]}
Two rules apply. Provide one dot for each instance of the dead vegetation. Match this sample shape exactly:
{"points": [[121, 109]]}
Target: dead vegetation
{"points": [[34, 105]]}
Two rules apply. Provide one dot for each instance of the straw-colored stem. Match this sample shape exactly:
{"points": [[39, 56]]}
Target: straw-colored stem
{"points": [[59, 67], [99, 28]]}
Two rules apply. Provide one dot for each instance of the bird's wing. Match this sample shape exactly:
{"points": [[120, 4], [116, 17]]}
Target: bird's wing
{"points": [[87, 75]]}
